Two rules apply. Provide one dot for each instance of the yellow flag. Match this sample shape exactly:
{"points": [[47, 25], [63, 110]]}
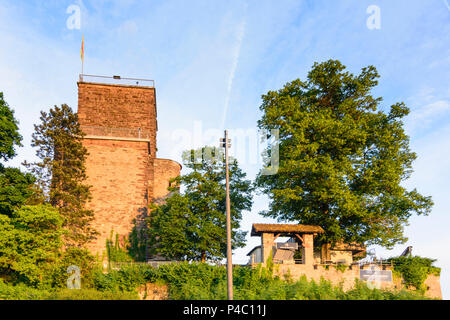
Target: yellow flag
{"points": [[82, 48]]}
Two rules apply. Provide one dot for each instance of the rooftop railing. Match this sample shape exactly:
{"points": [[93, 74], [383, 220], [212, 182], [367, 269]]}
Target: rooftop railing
{"points": [[117, 80]]}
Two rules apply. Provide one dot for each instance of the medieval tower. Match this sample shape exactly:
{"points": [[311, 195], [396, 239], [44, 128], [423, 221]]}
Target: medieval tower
{"points": [[120, 123]]}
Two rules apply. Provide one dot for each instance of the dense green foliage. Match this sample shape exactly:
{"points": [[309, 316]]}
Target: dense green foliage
{"points": [[115, 251], [79, 257], [29, 244], [342, 160], [200, 281], [414, 270], [61, 172], [9, 131], [32, 254], [22, 292], [31, 250], [15, 186], [127, 278], [191, 225], [137, 246]]}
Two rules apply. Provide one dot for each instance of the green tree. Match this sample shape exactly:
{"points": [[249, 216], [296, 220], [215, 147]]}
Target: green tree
{"points": [[15, 186], [9, 131], [30, 243], [61, 172], [16, 189], [342, 159], [73, 256], [192, 225]]}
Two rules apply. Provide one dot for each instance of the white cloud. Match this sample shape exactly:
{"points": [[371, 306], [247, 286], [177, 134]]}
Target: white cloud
{"points": [[425, 116], [429, 108]]}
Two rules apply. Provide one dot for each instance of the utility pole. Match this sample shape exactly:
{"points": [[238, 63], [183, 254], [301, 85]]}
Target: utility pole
{"points": [[226, 143]]}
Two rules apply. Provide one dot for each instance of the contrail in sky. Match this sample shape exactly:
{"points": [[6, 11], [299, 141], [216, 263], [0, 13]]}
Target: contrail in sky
{"points": [[236, 54], [446, 3]]}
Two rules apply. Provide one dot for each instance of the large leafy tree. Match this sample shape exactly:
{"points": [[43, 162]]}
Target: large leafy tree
{"points": [[30, 243], [31, 248], [9, 131], [192, 225], [15, 186], [61, 172], [342, 159], [16, 189], [30, 231]]}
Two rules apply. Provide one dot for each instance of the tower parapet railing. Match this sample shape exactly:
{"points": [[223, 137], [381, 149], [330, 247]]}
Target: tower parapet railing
{"points": [[131, 133], [117, 80]]}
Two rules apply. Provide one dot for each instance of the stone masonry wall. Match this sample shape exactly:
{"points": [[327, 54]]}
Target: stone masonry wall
{"points": [[433, 285], [120, 123], [118, 107], [120, 126], [118, 173], [164, 170], [347, 278]]}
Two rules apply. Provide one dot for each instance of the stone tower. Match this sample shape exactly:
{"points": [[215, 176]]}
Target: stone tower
{"points": [[120, 122]]}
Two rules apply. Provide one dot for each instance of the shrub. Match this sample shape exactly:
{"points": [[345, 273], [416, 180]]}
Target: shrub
{"points": [[199, 281], [23, 292], [115, 251], [414, 270], [192, 280], [30, 241], [341, 267], [81, 258], [91, 294], [127, 279]]}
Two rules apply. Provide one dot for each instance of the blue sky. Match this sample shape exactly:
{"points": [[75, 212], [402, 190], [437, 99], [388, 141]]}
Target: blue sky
{"points": [[212, 60]]}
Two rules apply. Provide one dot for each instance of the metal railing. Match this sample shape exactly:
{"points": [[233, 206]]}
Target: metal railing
{"points": [[136, 133], [280, 261], [381, 263], [118, 80], [154, 264], [158, 263]]}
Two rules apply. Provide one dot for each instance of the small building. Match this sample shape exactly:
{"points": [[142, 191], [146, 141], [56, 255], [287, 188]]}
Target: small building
{"points": [[299, 249], [255, 255], [299, 257]]}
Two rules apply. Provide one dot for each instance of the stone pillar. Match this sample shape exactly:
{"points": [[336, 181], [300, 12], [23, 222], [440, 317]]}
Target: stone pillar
{"points": [[267, 241], [325, 252], [308, 249]]}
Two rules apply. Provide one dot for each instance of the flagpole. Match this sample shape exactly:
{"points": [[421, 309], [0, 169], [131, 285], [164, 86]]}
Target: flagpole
{"points": [[82, 58]]}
